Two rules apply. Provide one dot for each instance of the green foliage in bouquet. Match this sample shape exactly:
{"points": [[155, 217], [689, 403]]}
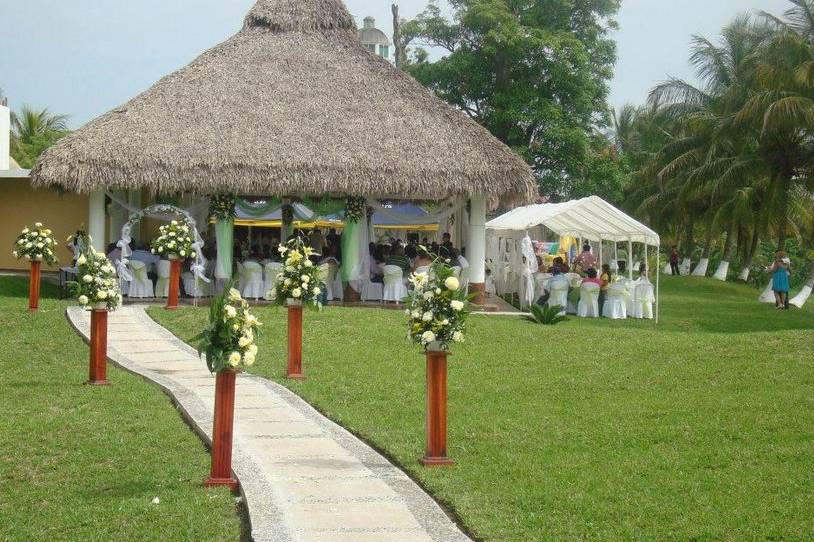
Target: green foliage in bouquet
{"points": [[299, 278], [547, 315], [36, 243], [96, 282], [222, 207], [174, 240], [437, 307], [229, 339], [355, 209]]}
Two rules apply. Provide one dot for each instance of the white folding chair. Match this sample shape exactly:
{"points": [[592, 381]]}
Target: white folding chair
{"points": [[141, 286], [195, 287], [394, 289], [252, 275], [645, 298], [162, 284], [329, 280], [615, 306], [588, 306]]}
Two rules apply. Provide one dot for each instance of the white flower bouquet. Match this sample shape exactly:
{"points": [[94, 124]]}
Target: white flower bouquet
{"points": [[37, 244], [222, 207], [355, 208], [437, 308], [96, 283], [299, 279], [174, 241], [229, 339]]}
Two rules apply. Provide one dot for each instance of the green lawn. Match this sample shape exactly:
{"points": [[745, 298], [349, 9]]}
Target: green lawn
{"points": [[699, 429], [84, 463]]}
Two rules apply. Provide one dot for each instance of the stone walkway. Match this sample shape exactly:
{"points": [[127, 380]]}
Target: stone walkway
{"points": [[303, 478]]}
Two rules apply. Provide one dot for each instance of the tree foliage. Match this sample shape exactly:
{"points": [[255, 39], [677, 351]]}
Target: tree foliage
{"points": [[535, 74]]}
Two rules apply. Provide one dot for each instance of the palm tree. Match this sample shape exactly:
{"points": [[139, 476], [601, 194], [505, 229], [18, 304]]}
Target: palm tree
{"points": [[34, 131]]}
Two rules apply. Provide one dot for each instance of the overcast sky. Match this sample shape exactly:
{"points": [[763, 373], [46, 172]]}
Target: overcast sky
{"points": [[84, 57]]}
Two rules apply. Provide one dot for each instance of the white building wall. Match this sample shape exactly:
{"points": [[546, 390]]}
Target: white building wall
{"points": [[5, 136]]}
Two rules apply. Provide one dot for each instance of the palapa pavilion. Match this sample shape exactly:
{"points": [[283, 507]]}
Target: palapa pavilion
{"points": [[292, 106]]}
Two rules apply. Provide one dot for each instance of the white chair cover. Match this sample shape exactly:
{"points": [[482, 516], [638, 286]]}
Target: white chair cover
{"points": [[195, 287], [588, 300], [558, 290], [422, 269], [644, 299], [252, 278], [768, 293], [615, 306], [394, 289], [162, 284], [331, 272], [464, 278], [141, 286], [240, 283], [372, 291], [270, 271]]}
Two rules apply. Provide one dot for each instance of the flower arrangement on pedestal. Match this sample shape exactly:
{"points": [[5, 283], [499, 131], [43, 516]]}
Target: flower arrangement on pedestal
{"points": [[222, 207], [299, 279], [96, 284], [437, 308], [229, 339], [37, 244], [174, 241], [355, 208]]}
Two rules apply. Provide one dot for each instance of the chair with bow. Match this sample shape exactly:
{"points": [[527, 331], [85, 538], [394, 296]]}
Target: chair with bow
{"points": [[588, 300], [558, 293], [394, 289], [643, 302], [141, 286], [270, 272], [252, 279], [162, 284], [615, 306]]}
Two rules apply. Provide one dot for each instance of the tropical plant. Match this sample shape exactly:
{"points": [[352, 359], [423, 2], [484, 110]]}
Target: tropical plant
{"points": [[547, 315], [34, 131]]}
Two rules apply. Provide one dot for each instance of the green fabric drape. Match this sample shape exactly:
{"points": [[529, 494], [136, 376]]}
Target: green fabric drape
{"points": [[257, 211], [350, 248], [224, 237]]}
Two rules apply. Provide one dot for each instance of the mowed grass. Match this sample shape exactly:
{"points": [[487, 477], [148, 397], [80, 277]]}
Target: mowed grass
{"points": [[83, 462], [700, 428]]}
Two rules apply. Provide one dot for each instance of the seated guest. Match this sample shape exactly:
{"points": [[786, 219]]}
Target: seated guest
{"points": [[411, 251], [397, 257], [592, 278], [558, 266], [558, 278], [422, 260], [585, 260]]}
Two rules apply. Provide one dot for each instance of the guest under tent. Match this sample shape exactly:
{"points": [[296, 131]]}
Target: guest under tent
{"points": [[512, 255]]}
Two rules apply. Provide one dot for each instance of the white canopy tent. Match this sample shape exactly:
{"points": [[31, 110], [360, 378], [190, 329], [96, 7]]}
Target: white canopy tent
{"points": [[591, 219]]}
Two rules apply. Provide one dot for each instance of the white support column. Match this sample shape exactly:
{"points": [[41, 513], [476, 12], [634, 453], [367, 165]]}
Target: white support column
{"points": [[96, 219], [630, 260], [476, 248]]}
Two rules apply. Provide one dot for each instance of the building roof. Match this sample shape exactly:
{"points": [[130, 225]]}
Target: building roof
{"points": [[14, 173], [369, 34], [292, 104], [590, 218]]}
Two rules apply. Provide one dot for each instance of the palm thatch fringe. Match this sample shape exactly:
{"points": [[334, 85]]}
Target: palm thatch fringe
{"points": [[290, 105]]}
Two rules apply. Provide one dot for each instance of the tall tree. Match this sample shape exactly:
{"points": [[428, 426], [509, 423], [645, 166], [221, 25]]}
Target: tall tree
{"points": [[535, 74]]}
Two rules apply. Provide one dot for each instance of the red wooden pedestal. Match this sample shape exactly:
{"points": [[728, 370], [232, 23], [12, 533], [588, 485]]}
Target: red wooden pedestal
{"points": [[222, 430], [34, 286], [350, 295], [436, 454], [175, 279], [97, 371], [479, 289], [295, 342]]}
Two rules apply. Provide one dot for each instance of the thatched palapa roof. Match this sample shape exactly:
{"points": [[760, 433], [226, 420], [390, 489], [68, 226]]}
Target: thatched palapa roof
{"points": [[290, 105]]}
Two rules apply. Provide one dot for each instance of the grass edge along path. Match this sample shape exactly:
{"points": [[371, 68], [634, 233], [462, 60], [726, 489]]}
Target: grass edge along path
{"points": [[699, 428], [86, 463]]}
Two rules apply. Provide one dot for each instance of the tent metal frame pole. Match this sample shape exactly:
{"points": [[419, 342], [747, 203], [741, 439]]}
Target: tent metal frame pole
{"points": [[630, 259], [658, 274]]}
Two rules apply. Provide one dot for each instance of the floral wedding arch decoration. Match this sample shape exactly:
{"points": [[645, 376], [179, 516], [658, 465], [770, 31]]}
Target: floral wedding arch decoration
{"points": [[164, 211]]}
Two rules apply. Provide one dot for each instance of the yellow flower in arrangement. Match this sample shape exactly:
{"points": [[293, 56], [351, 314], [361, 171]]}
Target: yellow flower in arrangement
{"points": [[36, 244], [229, 339], [299, 279]]}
